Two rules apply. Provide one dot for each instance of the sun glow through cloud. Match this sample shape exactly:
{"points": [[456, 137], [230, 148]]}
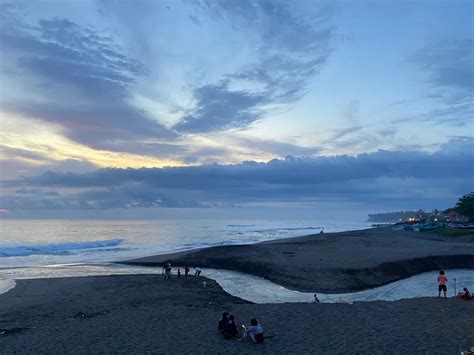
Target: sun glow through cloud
{"points": [[46, 143]]}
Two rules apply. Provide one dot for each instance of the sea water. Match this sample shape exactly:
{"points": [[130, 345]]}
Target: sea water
{"points": [[61, 248], [50, 242]]}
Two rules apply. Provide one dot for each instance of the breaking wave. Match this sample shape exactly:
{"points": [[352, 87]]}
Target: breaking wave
{"points": [[56, 248]]}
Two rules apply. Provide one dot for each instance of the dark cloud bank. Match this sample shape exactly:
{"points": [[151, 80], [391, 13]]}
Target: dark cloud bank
{"points": [[382, 176]]}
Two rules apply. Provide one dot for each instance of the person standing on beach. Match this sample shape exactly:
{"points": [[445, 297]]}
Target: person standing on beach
{"points": [[186, 270], [442, 282], [198, 271], [168, 271]]}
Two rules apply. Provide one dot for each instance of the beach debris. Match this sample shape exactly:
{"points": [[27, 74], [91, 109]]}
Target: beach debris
{"points": [[82, 315]]}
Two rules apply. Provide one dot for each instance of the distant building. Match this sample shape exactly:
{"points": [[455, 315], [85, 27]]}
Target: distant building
{"points": [[453, 216]]}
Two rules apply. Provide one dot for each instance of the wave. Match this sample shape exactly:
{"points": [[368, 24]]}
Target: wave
{"points": [[191, 246], [286, 229], [56, 248], [240, 225]]}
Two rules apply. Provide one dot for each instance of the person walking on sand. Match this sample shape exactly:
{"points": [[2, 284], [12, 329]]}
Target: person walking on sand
{"points": [[442, 282]]}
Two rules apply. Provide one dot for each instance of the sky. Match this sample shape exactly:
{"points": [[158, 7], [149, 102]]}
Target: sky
{"points": [[138, 106]]}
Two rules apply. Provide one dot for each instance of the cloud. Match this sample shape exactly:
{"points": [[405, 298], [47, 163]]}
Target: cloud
{"points": [[448, 68], [384, 175], [218, 107], [289, 50], [448, 64], [77, 77]]}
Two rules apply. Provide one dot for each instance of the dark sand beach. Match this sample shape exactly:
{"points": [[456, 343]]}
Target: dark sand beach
{"points": [[147, 314], [334, 262]]}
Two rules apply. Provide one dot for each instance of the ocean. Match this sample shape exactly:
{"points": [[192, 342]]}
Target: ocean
{"points": [[56, 242], [67, 248]]}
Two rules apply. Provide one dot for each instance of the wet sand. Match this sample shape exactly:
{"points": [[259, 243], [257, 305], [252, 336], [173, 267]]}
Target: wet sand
{"points": [[334, 262], [146, 314]]}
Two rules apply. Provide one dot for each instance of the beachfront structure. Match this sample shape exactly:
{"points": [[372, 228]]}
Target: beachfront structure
{"points": [[453, 216]]}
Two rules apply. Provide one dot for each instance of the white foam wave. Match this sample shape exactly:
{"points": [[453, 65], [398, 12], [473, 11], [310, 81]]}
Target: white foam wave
{"points": [[56, 248], [240, 225], [278, 229]]}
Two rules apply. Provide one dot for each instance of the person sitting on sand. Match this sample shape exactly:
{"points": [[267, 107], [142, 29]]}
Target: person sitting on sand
{"points": [[464, 295], [230, 330], [255, 331], [223, 322], [442, 282]]}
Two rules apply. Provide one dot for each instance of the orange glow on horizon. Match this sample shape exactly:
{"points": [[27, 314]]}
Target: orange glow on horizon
{"points": [[30, 136]]}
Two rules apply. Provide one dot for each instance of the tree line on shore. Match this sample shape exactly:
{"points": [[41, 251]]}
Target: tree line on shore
{"points": [[464, 207]]}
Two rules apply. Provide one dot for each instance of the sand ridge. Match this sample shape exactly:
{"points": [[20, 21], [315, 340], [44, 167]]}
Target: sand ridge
{"points": [[334, 262]]}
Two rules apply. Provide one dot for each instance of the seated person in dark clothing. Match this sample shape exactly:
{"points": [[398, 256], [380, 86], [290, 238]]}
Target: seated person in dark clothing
{"points": [[223, 322], [230, 331], [467, 295]]}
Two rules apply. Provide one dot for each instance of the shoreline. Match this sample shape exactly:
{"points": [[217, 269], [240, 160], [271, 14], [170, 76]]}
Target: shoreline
{"points": [[148, 314], [332, 262]]}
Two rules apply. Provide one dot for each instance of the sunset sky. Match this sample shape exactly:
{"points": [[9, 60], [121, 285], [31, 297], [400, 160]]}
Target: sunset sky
{"points": [[234, 103]]}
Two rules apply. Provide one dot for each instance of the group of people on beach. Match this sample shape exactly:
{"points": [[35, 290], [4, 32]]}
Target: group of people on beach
{"points": [[228, 329], [167, 271], [443, 287]]}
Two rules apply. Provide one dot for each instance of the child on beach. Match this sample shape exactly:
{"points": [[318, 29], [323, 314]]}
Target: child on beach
{"points": [[255, 331], [442, 282], [464, 295]]}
